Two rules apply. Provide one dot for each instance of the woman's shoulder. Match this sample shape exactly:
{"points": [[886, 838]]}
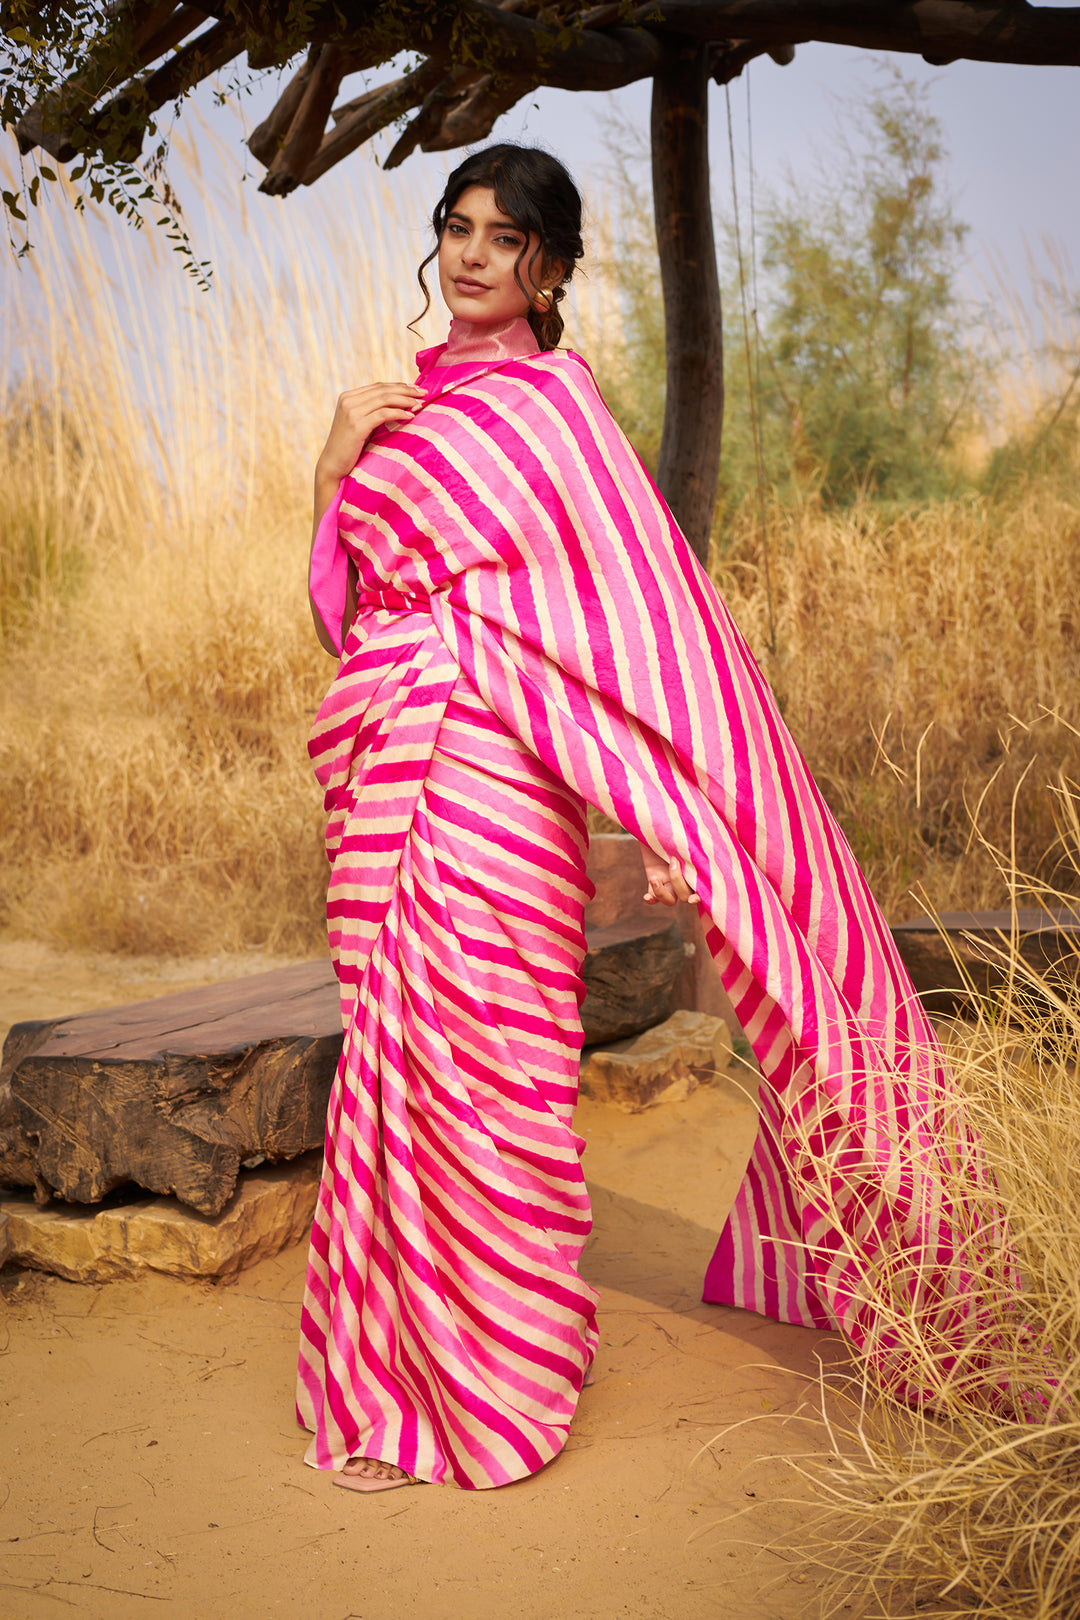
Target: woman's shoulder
{"points": [[552, 370], [560, 361]]}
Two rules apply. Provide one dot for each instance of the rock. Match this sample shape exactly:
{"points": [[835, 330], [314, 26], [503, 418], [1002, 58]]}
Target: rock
{"points": [[5, 1240], [664, 1065], [271, 1209]]}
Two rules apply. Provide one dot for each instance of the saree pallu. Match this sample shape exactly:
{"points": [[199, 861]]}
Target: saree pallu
{"points": [[445, 1327], [562, 604]]}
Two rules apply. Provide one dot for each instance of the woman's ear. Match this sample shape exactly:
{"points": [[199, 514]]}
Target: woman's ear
{"points": [[553, 273]]}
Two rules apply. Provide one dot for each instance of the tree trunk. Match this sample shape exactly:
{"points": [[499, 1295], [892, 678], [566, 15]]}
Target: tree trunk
{"points": [[689, 464]]}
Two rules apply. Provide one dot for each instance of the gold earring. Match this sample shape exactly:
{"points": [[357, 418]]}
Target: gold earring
{"points": [[544, 301]]}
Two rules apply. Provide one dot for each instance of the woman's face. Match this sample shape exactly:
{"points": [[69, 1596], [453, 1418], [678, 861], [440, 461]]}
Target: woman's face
{"points": [[478, 252]]}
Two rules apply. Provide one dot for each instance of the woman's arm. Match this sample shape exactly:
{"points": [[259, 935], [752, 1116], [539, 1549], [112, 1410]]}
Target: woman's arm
{"points": [[359, 412]]}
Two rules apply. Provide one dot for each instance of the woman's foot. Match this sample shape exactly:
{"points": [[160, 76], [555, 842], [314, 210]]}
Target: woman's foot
{"points": [[369, 1474]]}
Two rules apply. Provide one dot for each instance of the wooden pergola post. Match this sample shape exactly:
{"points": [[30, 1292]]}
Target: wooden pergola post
{"points": [[689, 464]]}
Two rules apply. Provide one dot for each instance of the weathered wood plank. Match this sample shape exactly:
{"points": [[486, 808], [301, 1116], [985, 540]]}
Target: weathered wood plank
{"points": [[17, 1164], [296, 1000], [178, 1123], [630, 973], [1048, 941], [175, 1093]]}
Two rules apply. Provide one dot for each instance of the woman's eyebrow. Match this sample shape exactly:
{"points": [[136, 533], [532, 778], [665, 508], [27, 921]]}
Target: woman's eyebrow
{"points": [[494, 224]]}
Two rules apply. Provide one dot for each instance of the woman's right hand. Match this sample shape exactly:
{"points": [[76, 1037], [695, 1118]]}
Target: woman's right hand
{"points": [[359, 412], [666, 885]]}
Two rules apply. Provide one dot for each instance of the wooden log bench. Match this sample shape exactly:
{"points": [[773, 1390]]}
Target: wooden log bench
{"points": [[176, 1094], [959, 951]]}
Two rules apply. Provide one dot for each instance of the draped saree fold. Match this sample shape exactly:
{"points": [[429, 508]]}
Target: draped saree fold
{"points": [[533, 635]]}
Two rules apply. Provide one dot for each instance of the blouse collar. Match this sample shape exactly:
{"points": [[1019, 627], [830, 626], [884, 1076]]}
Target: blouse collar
{"points": [[472, 348]]}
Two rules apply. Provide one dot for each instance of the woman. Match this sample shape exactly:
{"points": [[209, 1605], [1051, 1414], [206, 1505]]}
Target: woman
{"points": [[524, 632]]}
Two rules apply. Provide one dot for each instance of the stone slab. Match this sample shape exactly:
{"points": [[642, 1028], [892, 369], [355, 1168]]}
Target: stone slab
{"points": [[271, 1209], [663, 1065]]}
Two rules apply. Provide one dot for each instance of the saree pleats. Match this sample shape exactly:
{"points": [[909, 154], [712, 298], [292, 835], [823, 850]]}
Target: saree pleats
{"points": [[445, 1327]]}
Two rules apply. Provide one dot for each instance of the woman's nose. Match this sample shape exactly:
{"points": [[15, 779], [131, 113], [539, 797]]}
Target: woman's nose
{"points": [[473, 251]]}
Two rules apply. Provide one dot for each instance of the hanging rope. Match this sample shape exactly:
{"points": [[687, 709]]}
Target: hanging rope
{"points": [[753, 390], [760, 448]]}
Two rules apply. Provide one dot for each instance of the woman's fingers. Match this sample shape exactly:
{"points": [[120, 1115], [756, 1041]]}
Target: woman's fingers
{"points": [[667, 888], [681, 888], [373, 396], [358, 413]]}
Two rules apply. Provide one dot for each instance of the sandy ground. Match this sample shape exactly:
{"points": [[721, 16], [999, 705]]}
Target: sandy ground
{"points": [[150, 1462]]}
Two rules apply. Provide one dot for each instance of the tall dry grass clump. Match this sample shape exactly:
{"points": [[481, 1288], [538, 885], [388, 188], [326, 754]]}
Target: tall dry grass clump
{"points": [[159, 671], [928, 664], [959, 1493], [970, 1504]]}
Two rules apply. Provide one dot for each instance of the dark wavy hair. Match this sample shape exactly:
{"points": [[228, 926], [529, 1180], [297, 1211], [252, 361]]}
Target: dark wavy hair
{"points": [[534, 190]]}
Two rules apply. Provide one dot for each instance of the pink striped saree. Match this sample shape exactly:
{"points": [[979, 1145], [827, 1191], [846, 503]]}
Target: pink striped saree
{"points": [[532, 636]]}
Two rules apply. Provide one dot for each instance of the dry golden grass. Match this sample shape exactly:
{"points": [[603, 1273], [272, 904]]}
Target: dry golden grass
{"points": [[159, 673], [159, 668], [928, 664], [971, 1505]]}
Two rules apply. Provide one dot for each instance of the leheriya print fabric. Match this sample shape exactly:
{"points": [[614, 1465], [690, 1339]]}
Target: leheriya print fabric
{"points": [[532, 636]]}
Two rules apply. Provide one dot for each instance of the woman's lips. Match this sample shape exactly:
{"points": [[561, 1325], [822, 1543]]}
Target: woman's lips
{"points": [[464, 285]]}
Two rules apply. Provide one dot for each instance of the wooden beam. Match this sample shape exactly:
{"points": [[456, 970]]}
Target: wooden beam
{"points": [[728, 58], [598, 47], [565, 56], [475, 112], [586, 51], [143, 33], [129, 112], [327, 65], [689, 465], [359, 120], [267, 138], [978, 30], [436, 104]]}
